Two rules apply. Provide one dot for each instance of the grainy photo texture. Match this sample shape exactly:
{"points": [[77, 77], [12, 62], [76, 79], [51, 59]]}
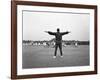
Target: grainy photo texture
{"points": [[55, 39]]}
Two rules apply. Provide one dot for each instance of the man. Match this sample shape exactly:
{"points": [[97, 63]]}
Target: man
{"points": [[58, 42]]}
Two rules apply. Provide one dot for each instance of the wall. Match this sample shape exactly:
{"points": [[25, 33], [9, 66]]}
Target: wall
{"points": [[5, 37]]}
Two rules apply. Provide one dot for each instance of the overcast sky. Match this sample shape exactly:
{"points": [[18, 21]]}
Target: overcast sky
{"points": [[35, 23]]}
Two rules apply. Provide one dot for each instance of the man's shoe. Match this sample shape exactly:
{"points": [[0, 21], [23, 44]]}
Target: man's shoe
{"points": [[61, 56], [54, 56]]}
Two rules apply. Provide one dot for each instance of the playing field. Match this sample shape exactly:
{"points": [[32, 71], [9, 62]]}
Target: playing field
{"points": [[39, 56]]}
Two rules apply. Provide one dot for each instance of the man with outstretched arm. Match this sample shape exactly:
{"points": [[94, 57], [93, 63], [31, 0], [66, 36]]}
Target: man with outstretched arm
{"points": [[58, 42]]}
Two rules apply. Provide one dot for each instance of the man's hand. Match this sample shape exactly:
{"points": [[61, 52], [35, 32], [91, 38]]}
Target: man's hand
{"points": [[46, 31], [69, 31]]}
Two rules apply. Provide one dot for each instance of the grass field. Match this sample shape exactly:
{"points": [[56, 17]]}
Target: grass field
{"points": [[39, 56]]}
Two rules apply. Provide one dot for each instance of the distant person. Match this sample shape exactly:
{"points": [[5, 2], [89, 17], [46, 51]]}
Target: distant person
{"points": [[76, 43], [58, 42]]}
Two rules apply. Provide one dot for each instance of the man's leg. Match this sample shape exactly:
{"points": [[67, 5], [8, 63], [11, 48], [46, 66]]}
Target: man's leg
{"points": [[56, 46], [60, 47]]}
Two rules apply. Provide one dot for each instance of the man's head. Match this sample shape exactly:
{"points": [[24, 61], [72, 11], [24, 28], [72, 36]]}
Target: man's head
{"points": [[58, 30]]}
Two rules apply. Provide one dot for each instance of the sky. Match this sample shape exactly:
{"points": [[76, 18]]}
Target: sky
{"points": [[36, 22]]}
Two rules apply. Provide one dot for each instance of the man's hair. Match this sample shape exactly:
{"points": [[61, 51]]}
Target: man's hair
{"points": [[58, 29]]}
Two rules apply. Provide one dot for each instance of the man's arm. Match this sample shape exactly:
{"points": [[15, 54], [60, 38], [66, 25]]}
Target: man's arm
{"points": [[63, 33], [51, 33]]}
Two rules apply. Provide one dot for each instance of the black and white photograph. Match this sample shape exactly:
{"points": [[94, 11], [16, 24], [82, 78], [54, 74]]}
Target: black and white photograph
{"points": [[55, 39]]}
